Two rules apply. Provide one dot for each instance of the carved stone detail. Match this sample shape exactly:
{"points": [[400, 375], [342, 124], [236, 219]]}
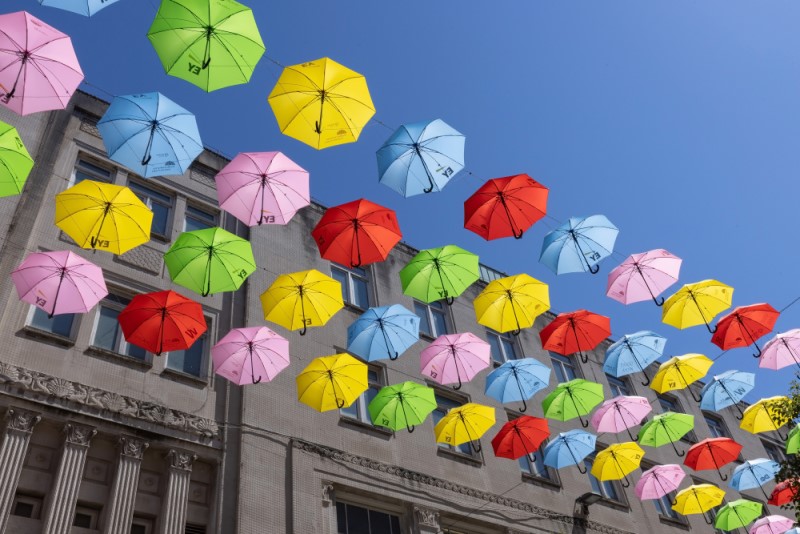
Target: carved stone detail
{"points": [[426, 517], [89, 126], [182, 460], [327, 494], [132, 447], [80, 435], [21, 420]]}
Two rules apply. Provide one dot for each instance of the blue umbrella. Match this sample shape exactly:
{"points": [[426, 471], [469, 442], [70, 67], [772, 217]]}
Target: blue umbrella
{"points": [[579, 244], [569, 448], [421, 157], [81, 7], [383, 332], [517, 380], [150, 134], [754, 474], [632, 353], [726, 390]]}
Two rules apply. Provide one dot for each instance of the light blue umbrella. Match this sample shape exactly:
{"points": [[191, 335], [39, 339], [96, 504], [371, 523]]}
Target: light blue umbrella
{"points": [[727, 389], [517, 380], [81, 7], [795, 530], [421, 157], [150, 134], [383, 332], [632, 353], [578, 245], [754, 474], [569, 448]]}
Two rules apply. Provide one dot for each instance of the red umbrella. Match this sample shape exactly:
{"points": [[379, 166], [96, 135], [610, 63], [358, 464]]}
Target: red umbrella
{"points": [[712, 453], [784, 492], [505, 207], [575, 332], [744, 325], [520, 436], [162, 321], [357, 233]]}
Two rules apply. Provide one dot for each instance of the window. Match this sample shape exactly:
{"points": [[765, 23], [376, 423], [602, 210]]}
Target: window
{"points": [[89, 171], [198, 219], [355, 285], [60, 325], [619, 386], [432, 319], [537, 468], [358, 410], [192, 360], [85, 517], [352, 519], [194, 529], [610, 489], [444, 405], [564, 367], [775, 452], [141, 525], [664, 508], [28, 506], [671, 404], [716, 426], [503, 346], [107, 331], [159, 203]]}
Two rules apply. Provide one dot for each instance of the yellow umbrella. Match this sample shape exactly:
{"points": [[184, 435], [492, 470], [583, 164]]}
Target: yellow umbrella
{"points": [[697, 303], [332, 382], [103, 216], [464, 424], [763, 416], [698, 499], [616, 461], [321, 103], [680, 371], [512, 303], [302, 299]]}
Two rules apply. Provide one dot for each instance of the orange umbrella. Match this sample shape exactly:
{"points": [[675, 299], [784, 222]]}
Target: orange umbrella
{"points": [[575, 332]]}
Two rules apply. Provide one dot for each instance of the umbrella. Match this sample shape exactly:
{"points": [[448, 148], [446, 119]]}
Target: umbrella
{"points": [[150, 134], [331, 382], [744, 325], [262, 188], [321, 103], [784, 492], [727, 389], [572, 399], [455, 358], [162, 321], [569, 448], [696, 304], [698, 499], [680, 371], [385, 331], [464, 424], [632, 353], [659, 481], [781, 351], [439, 273], [15, 161], [302, 299], [81, 7], [517, 380], [616, 461], [666, 428], [256, 348], [754, 474], [209, 43], [402, 406], [795, 530], [38, 67], [772, 524], [793, 441], [420, 157], [712, 453], [505, 207], [765, 416], [520, 436], [357, 233], [620, 413], [643, 276], [105, 216], [578, 245], [575, 332], [211, 260], [737, 514], [59, 282], [511, 303]]}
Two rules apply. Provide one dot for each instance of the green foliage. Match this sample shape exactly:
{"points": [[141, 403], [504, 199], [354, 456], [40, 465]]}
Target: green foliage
{"points": [[790, 468]]}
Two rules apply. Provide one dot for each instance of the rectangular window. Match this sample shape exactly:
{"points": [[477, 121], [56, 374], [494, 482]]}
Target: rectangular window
{"points": [[619, 386], [671, 404], [358, 410], [444, 405], [192, 360], [198, 219], [716, 426], [775, 452], [610, 489], [503, 346], [107, 331], [61, 325], [85, 517], [159, 203], [664, 507], [564, 367], [536, 468], [355, 285], [141, 525], [432, 318], [89, 171], [352, 519], [28, 506]]}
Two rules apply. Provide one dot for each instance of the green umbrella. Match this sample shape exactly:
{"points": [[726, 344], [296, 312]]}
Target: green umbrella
{"points": [[15, 162], [439, 273], [793, 441], [737, 514], [210, 261], [403, 405], [666, 428], [572, 399], [210, 43]]}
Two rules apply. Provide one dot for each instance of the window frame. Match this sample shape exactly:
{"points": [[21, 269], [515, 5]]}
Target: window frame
{"points": [[73, 329], [532, 472], [720, 424], [121, 344], [511, 340], [205, 357], [768, 443], [557, 361], [619, 383], [36, 503], [621, 501], [445, 448], [214, 215], [91, 174], [90, 511], [429, 313], [362, 417], [348, 290], [371, 506], [134, 184]]}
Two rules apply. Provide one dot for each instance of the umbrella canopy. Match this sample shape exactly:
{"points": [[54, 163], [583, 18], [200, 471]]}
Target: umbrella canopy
{"points": [[420, 157], [754, 474], [578, 245], [455, 358], [643, 276], [633, 353], [81, 7], [620, 413], [439, 273], [402, 406], [698, 499], [793, 441], [517, 380], [696, 304], [680, 371], [784, 492], [764, 416], [772, 524], [659, 481], [209, 43], [781, 351], [744, 326], [59, 282], [712, 453], [38, 67], [150, 134], [262, 188], [256, 349], [464, 424], [162, 321], [520, 436], [15, 161], [332, 382], [511, 303], [666, 428], [383, 332], [505, 207], [727, 389], [616, 461], [576, 331], [357, 233], [211, 260], [737, 514], [302, 299], [572, 399], [569, 448], [321, 103], [103, 216]]}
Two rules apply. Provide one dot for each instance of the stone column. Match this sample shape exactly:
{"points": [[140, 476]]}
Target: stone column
{"points": [[173, 506], [119, 512], [12, 455], [426, 520], [63, 497]]}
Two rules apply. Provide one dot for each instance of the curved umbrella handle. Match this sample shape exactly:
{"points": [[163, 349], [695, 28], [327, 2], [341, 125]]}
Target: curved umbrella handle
{"points": [[594, 269], [647, 381], [659, 304], [339, 403], [696, 399], [708, 327], [410, 429], [393, 358], [449, 300], [206, 63], [721, 476], [626, 483], [581, 471], [705, 517], [303, 331], [584, 424], [758, 350], [584, 357], [519, 235], [532, 458], [477, 449], [524, 406]]}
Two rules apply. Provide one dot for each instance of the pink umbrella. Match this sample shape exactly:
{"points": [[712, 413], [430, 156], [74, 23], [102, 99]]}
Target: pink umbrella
{"points": [[772, 524], [258, 348], [643, 276], [659, 481], [781, 351], [455, 358], [621, 413], [38, 67], [262, 188], [59, 282]]}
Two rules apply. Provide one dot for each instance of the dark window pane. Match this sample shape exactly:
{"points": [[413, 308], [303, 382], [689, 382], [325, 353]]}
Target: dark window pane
{"points": [[341, 277], [395, 524], [341, 519], [357, 520], [82, 520], [440, 325], [160, 218], [108, 330], [424, 323], [188, 361], [361, 295], [59, 324], [379, 523], [23, 509], [508, 347], [497, 351]]}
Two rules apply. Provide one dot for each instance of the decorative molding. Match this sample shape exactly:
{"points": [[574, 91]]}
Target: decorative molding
{"points": [[80, 435], [181, 460], [426, 517], [132, 447], [327, 494], [89, 125], [21, 420]]}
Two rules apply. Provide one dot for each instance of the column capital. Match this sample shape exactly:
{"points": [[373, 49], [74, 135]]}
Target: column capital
{"points": [[327, 493], [181, 459], [426, 517], [132, 447], [20, 420], [80, 435]]}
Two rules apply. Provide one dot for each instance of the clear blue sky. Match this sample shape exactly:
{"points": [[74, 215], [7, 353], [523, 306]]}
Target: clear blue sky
{"points": [[680, 121]]}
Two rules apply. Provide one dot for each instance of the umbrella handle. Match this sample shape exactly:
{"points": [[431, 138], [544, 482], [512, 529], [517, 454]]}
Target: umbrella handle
{"points": [[707, 521], [477, 449], [584, 358], [594, 269], [584, 424], [581, 471], [253, 369], [758, 350], [410, 429], [628, 430], [721, 475], [524, 406], [532, 457], [449, 300], [393, 358], [519, 235], [711, 331], [696, 399], [626, 483], [679, 453], [146, 160], [659, 304], [303, 331], [646, 382]]}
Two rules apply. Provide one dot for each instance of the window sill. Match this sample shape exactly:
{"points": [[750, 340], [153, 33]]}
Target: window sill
{"points": [[58, 339], [116, 357], [160, 237], [426, 337], [616, 505], [677, 523], [185, 378], [541, 481], [476, 461], [353, 308], [377, 430]]}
